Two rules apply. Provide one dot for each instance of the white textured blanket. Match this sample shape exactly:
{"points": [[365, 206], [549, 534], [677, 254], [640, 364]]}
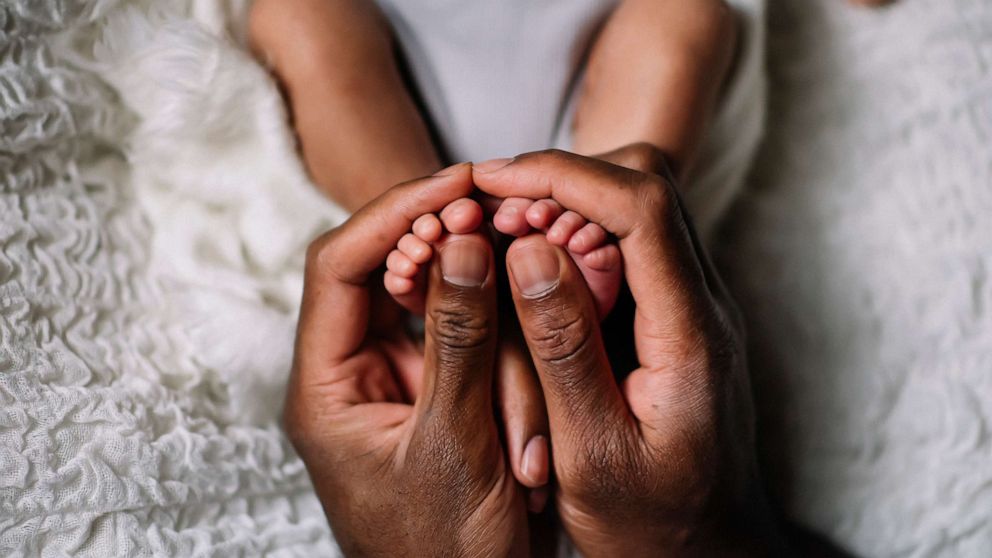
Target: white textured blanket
{"points": [[133, 421], [138, 281], [862, 255]]}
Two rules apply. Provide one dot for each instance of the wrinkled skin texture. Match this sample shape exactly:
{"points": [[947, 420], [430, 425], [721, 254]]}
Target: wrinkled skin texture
{"points": [[401, 442], [662, 464]]}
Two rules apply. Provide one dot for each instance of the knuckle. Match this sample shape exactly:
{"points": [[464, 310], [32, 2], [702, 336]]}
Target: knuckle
{"points": [[657, 197], [551, 157], [555, 154], [562, 339], [458, 329]]}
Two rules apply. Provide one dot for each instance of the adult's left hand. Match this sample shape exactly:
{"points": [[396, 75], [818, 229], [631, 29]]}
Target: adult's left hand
{"points": [[401, 479]]}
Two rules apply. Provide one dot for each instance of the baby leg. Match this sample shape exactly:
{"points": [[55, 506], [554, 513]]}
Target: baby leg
{"points": [[654, 75], [360, 131]]}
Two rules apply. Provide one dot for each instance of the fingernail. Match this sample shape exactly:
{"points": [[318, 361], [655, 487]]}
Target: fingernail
{"points": [[536, 499], [464, 263], [449, 170], [493, 164], [534, 463], [534, 268]]}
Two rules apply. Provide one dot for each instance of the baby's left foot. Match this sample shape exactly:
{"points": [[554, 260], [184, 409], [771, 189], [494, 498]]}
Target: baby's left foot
{"points": [[588, 243]]}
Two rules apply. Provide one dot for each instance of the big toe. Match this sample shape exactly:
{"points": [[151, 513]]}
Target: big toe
{"points": [[462, 216]]}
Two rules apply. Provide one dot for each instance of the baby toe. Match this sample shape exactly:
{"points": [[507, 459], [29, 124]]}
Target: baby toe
{"points": [[400, 265], [461, 216], [604, 258], [511, 217], [586, 239], [427, 227], [543, 213], [414, 248], [564, 227], [396, 285]]}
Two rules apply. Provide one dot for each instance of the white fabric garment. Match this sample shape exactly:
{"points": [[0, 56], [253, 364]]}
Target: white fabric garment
{"points": [[498, 79], [495, 75]]}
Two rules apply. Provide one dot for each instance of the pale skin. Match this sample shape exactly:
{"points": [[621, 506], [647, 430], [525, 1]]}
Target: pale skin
{"points": [[654, 77]]}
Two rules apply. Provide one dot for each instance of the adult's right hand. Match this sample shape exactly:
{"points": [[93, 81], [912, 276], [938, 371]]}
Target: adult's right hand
{"points": [[664, 464], [401, 444]]}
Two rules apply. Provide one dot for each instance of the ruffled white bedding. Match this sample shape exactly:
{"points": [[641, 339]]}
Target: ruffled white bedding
{"points": [[150, 257], [862, 255], [133, 422]]}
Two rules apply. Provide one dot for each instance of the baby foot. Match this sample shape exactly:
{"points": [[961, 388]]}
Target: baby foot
{"points": [[587, 243], [405, 277]]}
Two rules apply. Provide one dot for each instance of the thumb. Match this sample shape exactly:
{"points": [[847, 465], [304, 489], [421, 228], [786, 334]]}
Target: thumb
{"points": [[559, 321], [460, 336]]}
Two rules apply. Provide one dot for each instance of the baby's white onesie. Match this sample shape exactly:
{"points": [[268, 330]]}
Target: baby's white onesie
{"points": [[498, 79]]}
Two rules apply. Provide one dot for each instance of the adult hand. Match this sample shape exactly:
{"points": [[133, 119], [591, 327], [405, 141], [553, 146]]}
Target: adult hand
{"points": [[399, 479], [663, 464]]}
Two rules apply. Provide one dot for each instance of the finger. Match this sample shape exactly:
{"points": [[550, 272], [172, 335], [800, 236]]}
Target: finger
{"points": [[643, 157], [599, 191], [643, 211], [335, 308], [559, 323], [460, 333], [521, 404], [414, 248]]}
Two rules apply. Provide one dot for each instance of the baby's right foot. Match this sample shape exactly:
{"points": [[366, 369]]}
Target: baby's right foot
{"points": [[405, 277], [588, 243]]}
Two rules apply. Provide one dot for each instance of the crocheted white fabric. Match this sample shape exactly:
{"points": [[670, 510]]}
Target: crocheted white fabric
{"points": [[130, 424], [863, 258]]}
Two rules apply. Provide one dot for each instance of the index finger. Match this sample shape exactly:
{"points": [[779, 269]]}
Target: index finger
{"points": [[601, 192], [335, 309]]}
